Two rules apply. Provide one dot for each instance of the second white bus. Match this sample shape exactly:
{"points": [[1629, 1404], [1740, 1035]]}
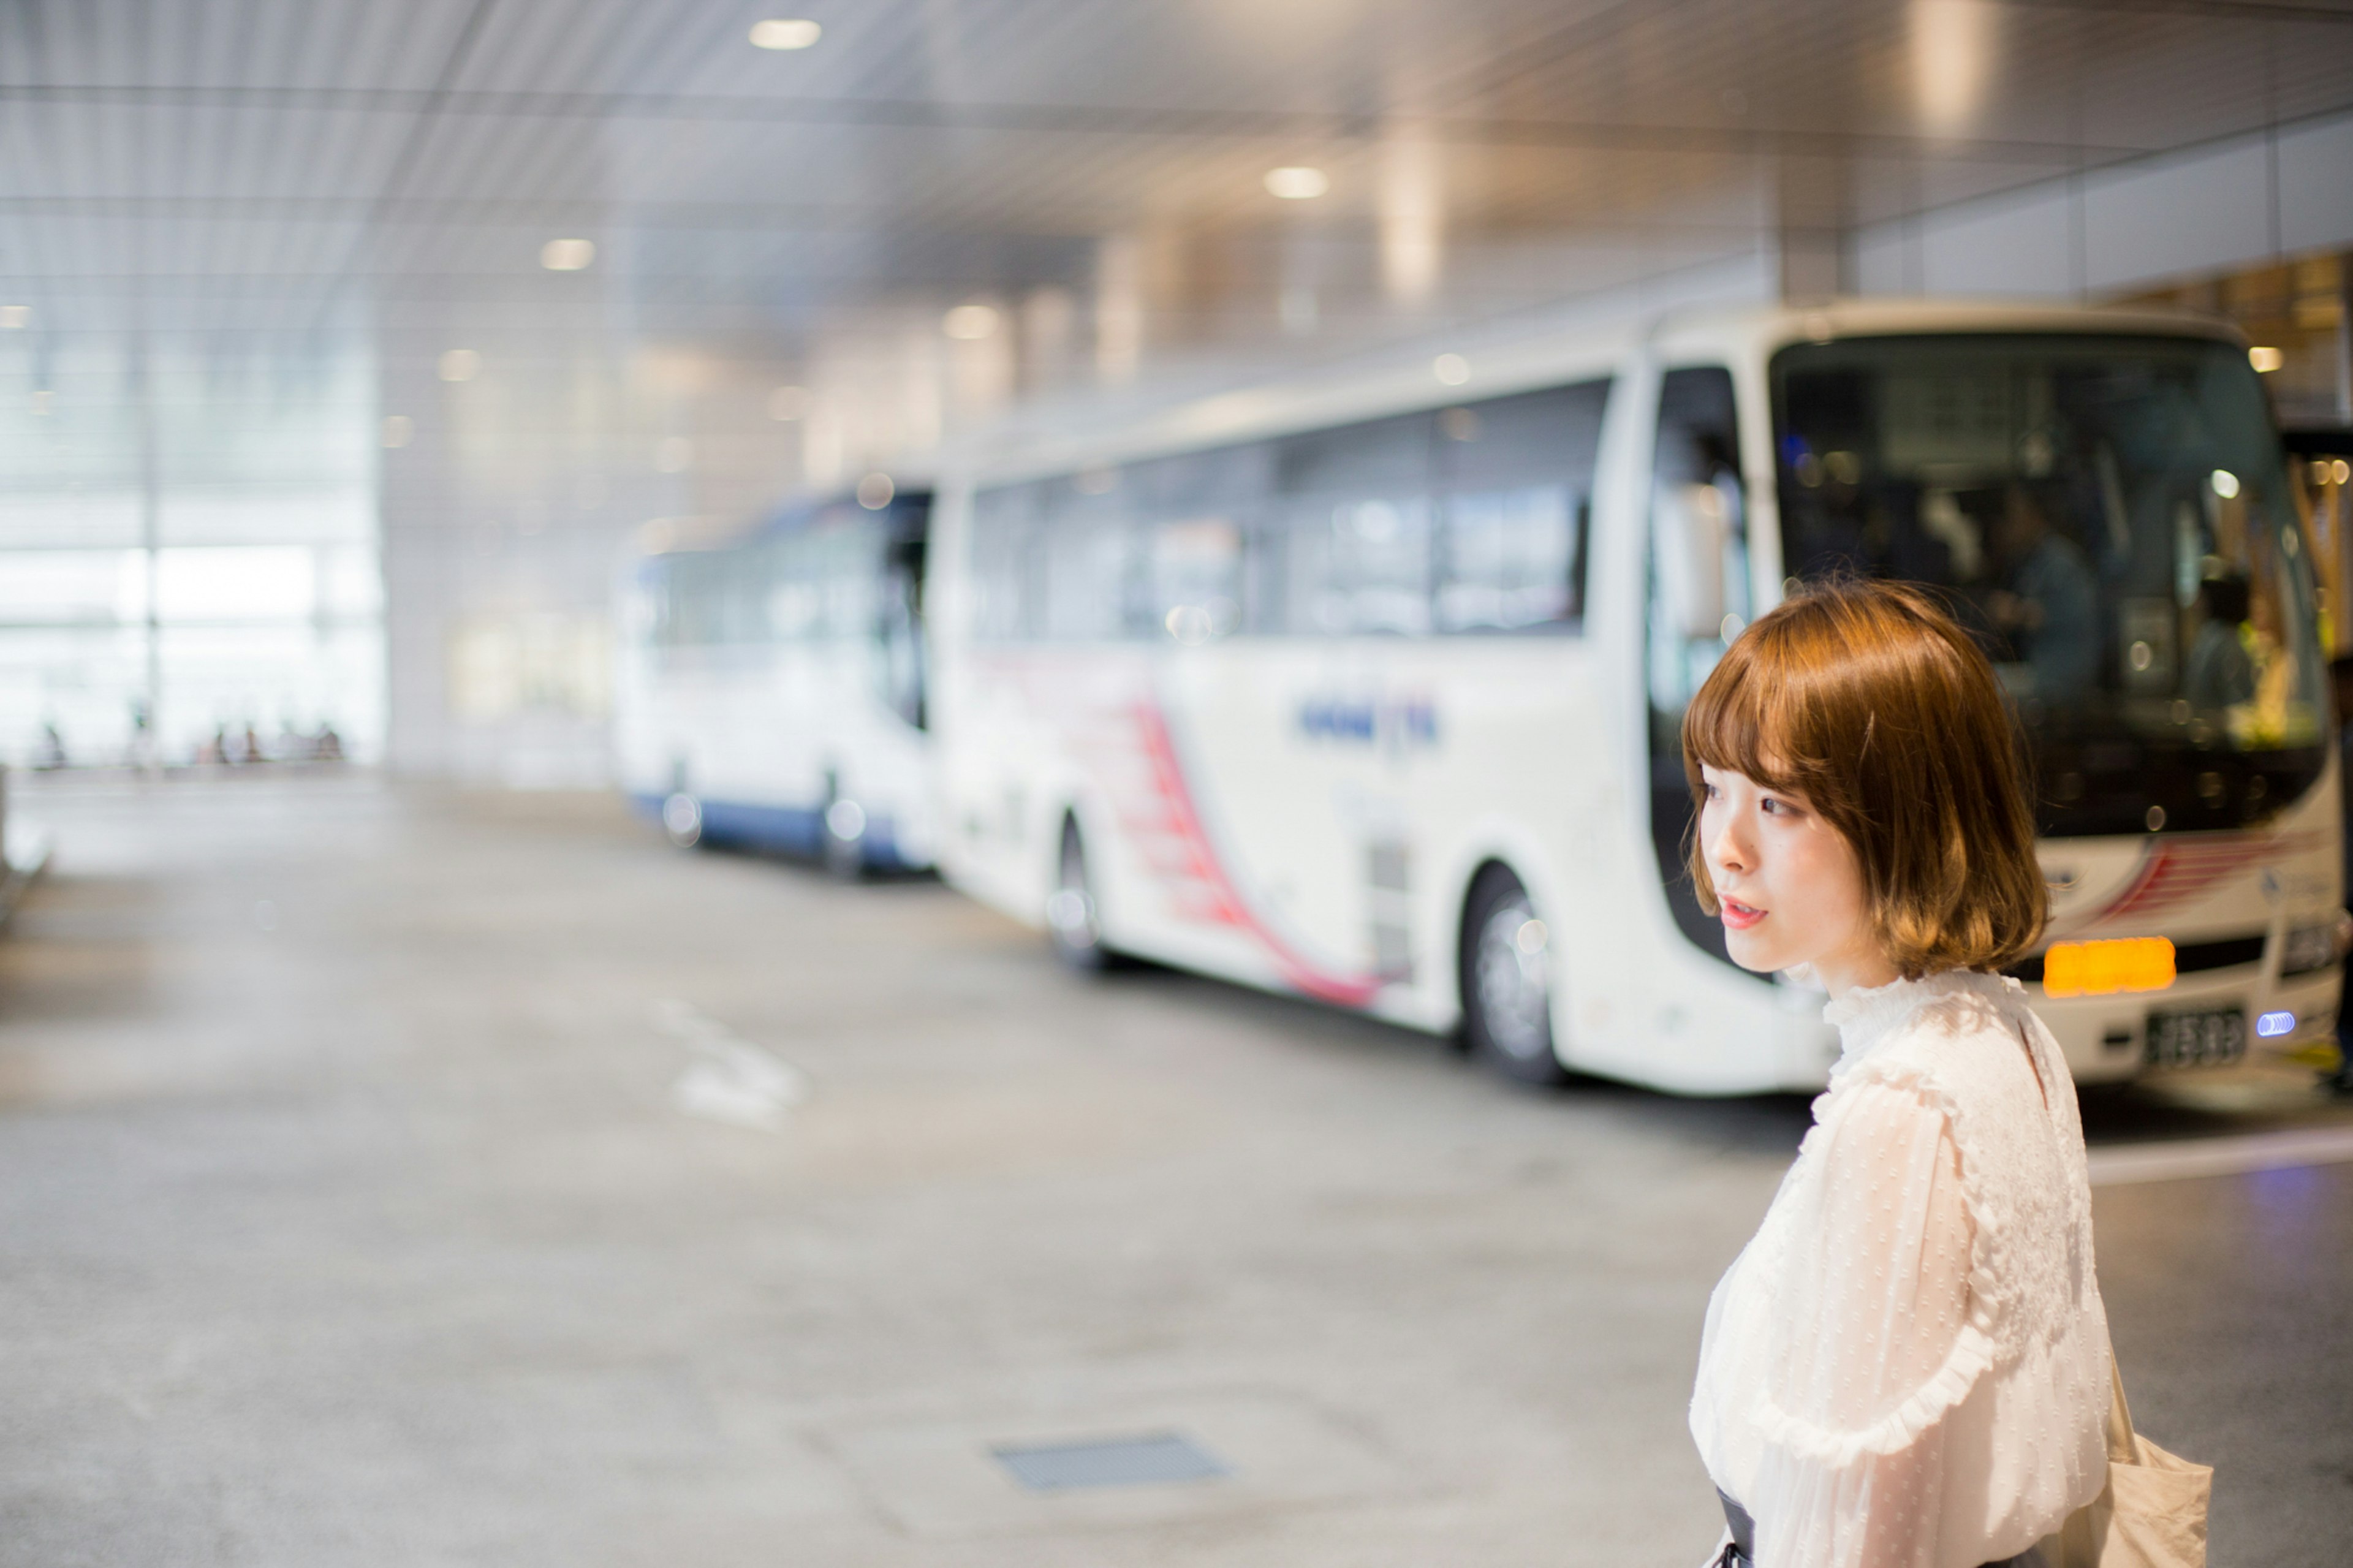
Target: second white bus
{"points": [[770, 692], [1373, 692]]}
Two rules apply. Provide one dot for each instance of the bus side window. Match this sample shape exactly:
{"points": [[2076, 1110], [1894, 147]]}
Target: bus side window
{"points": [[1086, 557], [1517, 474], [1201, 566], [1004, 525], [1698, 600], [1358, 502]]}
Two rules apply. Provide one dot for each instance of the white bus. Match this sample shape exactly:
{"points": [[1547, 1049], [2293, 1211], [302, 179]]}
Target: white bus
{"points": [[770, 692], [1373, 691]]}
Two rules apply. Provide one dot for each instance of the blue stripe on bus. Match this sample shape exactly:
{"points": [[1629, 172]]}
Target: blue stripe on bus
{"points": [[792, 829]]}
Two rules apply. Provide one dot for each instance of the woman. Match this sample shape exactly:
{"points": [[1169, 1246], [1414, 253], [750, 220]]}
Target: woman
{"points": [[1908, 1366]]}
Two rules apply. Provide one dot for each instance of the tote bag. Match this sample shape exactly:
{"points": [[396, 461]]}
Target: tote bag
{"points": [[2152, 1512]]}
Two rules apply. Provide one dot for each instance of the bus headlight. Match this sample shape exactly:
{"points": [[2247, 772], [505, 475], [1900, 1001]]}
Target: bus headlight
{"points": [[2307, 948]]}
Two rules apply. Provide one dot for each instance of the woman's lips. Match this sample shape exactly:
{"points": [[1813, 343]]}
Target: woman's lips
{"points": [[1738, 916]]}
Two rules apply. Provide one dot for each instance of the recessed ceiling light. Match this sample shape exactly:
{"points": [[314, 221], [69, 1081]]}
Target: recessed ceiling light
{"points": [[969, 322], [12, 316], [875, 490], [460, 364], [2266, 360], [567, 255], [1297, 184], [780, 33], [398, 430], [1451, 369]]}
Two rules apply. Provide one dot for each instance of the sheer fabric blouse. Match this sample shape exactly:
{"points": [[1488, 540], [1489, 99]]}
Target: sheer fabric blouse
{"points": [[1908, 1367]]}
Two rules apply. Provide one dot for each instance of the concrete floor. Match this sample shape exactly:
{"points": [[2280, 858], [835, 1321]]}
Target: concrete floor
{"points": [[367, 1196]]}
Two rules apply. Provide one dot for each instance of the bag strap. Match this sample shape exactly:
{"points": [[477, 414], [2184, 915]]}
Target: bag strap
{"points": [[2122, 1448]]}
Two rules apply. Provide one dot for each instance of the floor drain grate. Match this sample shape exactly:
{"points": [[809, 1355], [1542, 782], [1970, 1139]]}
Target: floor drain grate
{"points": [[1152, 1460]]}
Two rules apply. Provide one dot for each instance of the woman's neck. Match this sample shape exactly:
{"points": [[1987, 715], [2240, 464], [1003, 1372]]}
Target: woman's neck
{"points": [[1865, 967]]}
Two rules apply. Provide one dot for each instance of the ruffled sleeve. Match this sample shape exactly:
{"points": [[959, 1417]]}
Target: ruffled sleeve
{"points": [[1872, 1341]]}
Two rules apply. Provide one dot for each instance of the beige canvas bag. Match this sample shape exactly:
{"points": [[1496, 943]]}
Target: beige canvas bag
{"points": [[2152, 1512]]}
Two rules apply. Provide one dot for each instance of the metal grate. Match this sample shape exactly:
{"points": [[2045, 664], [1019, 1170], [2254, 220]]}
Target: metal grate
{"points": [[1157, 1459]]}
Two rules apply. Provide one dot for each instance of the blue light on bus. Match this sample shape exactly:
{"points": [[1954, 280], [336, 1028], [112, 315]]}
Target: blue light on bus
{"points": [[2272, 1025]]}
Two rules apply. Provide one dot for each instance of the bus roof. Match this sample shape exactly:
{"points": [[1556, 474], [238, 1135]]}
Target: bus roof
{"points": [[1392, 383]]}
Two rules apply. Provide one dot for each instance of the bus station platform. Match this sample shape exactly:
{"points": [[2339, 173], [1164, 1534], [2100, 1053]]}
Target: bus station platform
{"points": [[411, 1175]]}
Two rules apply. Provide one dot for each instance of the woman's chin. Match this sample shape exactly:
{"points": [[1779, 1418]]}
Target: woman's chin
{"points": [[1758, 955]]}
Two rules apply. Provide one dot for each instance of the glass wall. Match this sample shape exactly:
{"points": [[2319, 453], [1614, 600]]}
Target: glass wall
{"points": [[188, 554]]}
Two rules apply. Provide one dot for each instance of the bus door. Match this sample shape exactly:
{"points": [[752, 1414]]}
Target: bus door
{"points": [[1697, 602], [899, 625]]}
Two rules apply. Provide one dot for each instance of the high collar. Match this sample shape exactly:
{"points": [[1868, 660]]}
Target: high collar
{"points": [[1868, 1016]]}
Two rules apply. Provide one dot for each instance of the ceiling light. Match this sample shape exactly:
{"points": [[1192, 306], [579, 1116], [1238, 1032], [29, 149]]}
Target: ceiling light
{"points": [[875, 490], [789, 402], [969, 322], [567, 255], [1297, 183], [781, 34], [13, 316], [398, 429], [1451, 369], [1954, 47], [460, 364], [2266, 359], [2225, 483]]}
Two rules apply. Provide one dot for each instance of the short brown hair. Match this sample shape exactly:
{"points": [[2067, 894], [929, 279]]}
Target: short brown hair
{"points": [[1868, 702]]}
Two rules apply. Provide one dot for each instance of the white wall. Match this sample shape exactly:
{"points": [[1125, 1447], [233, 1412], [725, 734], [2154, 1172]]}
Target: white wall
{"points": [[2223, 205]]}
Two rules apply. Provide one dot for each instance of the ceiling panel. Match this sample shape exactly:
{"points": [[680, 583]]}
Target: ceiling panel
{"points": [[284, 169], [286, 45]]}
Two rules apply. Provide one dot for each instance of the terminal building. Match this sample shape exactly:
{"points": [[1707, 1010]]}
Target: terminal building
{"points": [[906, 784]]}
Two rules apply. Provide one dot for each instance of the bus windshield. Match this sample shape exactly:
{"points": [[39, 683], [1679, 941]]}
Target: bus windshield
{"points": [[2110, 516]]}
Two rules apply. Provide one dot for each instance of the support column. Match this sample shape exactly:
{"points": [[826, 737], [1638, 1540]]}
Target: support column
{"points": [[151, 542]]}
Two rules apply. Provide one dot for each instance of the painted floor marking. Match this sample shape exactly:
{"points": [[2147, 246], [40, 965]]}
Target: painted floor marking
{"points": [[2126, 1164], [731, 1079], [1160, 1458]]}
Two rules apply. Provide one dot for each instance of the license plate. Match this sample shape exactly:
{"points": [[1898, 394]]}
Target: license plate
{"points": [[2195, 1039]]}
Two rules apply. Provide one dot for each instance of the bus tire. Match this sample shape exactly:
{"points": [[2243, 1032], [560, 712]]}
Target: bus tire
{"points": [[1506, 981], [842, 837], [1073, 919], [682, 819]]}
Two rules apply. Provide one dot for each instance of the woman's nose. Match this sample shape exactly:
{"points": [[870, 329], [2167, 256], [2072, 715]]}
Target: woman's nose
{"points": [[1726, 850]]}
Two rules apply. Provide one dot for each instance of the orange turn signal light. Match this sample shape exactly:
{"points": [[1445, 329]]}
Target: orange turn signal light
{"points": [[2106, 968]]}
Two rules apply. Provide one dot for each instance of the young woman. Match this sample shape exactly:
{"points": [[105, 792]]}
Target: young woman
{"points": [[1908, 1366]]}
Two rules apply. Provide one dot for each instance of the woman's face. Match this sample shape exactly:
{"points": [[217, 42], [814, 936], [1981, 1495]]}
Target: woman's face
{"points": [[1787, 883]]}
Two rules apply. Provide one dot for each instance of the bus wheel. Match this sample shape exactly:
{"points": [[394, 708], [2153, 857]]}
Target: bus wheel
{"points": [[1072, 915], [845, 840], [681, 818], [1506, 984]]}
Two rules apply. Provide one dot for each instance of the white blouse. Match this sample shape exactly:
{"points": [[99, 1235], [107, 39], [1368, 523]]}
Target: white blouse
{"points": [[1908, 1367]]}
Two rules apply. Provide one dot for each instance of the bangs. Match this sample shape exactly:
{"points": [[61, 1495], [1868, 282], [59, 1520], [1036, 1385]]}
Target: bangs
{"points": [[1746, 722]]}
